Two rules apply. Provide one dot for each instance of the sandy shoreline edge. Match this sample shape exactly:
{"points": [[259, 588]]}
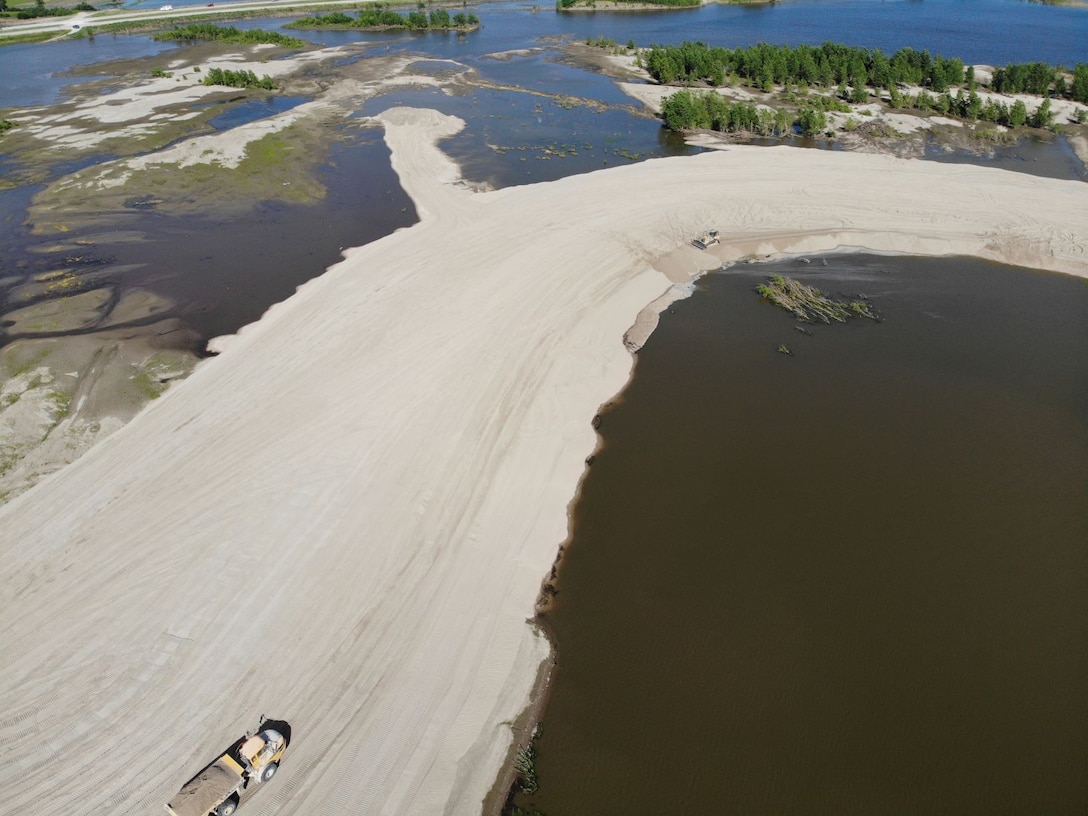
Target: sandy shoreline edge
{"points": [[343, 521]]}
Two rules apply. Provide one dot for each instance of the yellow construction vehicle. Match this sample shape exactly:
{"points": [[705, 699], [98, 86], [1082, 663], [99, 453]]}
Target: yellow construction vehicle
{"points": [[706, 239], [217, 790]]}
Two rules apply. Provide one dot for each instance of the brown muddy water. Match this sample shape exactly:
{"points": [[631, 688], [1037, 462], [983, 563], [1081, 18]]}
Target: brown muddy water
{"points": [[851, 580]]}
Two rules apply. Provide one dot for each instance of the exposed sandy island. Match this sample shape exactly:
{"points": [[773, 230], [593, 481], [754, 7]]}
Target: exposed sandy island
{"points": [[343, 521]]}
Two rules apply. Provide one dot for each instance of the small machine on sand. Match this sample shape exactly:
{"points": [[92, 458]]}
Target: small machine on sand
{"points": [[705, 240]]}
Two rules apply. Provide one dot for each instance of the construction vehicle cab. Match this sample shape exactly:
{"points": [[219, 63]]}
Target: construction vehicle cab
{"points": [[217, 790]]}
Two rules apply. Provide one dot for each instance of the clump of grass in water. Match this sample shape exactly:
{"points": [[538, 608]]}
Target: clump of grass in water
{"points": [[525, 764], [809, 304]]}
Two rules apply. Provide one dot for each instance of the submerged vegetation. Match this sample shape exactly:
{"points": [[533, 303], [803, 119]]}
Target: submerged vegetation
{"points": [[525, 764], [809, 304], [380, 17], [229, 34]]}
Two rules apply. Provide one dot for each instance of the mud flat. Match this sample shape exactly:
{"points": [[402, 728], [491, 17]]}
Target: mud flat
{"points": [[344, 519]]}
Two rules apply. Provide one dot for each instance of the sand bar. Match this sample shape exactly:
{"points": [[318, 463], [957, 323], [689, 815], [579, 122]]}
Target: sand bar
{"points": [[343, 520]]}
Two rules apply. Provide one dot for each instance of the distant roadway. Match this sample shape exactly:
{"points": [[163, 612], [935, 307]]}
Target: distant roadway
{"points": [[90, 19]]}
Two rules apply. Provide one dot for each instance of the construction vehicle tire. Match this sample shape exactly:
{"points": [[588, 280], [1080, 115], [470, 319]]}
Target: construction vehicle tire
{"points": [[269, 771], [227, 808]]}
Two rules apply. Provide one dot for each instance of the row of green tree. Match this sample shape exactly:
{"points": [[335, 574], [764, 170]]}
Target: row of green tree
{"points": [[229, 34], [238, 79], [39, 10], [379, 16], [566, 4], [1041, 80], [828, 65], [833, 64], [971, 106], [687, 110]]}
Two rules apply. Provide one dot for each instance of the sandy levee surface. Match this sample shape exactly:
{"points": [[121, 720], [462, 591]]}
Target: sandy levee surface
{"points": [[343, 520]]}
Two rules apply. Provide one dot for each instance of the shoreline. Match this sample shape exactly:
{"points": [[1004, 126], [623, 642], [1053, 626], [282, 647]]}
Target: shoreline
{"points": [[405, 538]]}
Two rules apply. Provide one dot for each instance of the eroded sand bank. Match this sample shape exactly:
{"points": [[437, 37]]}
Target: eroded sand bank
{"points": [[343, 521]]}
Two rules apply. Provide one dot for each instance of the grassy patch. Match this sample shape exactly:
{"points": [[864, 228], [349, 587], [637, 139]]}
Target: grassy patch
{"points": [[276, 167], [263, 153], [61, 402], [17, 365], [147, 385], [158, 371], [18, 39], [229, 34]]}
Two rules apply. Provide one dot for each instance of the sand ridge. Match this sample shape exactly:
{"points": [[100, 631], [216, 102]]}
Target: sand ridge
{"points": [[343, 520]]}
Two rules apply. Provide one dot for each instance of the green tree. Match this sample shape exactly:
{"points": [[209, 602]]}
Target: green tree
{"points": [[1018, 114], [812, 121], [1079, 89], [972, 106], [1043, 116], [682, 112]]}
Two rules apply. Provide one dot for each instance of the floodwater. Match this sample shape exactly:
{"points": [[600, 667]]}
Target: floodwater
{"points": [[993, 32], [221, 272], [848, 580], [1052, 159], [511, 137], [240, 265]]}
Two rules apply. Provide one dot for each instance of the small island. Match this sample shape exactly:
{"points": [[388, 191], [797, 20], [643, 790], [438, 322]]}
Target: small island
{"points": [[647, 5], [209, 32], [809, 305], [379, 17]]}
